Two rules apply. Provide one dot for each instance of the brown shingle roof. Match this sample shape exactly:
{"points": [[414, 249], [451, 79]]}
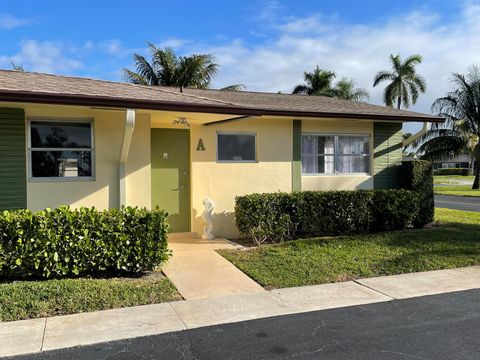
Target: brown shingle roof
{"points": [[46, 88]]}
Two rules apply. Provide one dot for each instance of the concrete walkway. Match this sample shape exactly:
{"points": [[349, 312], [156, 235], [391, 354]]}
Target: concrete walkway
{"points": [[36, 335], [199, 272]]}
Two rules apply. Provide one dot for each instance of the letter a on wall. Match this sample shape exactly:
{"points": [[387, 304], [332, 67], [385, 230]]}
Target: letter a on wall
{"points": [[200, 146]]}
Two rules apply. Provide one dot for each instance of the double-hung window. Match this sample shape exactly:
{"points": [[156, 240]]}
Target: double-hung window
{"points": [[335, 154], [61, 149]]}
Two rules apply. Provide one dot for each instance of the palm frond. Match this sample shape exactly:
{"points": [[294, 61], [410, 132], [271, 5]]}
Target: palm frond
{"points": [[166, 63], [396, 62], [144, 70], [461, 109], [234, 87], [414, 92], [412, 60], [301, 89], [17, 67], [441, 148], [390, 94], [382, 76], [196, 70], [133, 77], [420, 83]]}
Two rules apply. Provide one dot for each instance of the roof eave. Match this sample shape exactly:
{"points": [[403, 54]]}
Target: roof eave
{"points": [[104, 101]]}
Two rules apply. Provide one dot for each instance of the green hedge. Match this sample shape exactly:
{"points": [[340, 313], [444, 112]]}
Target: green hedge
{"points": [[417, 176], [82, 242], [454, 171], [279, 216]]}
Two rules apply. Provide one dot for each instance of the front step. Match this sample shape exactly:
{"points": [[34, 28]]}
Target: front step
{"points": [[182, 235]]}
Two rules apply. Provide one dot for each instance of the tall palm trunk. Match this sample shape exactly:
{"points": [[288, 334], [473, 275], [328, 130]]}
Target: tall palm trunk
{"points": [[399, 99], [476, 172], [476, 182]]}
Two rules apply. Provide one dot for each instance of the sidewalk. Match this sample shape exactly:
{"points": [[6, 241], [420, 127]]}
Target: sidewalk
{"points": [[199, 272], [36, 335]]}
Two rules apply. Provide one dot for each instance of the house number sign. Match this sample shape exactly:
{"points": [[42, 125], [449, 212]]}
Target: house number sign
{"points": [[200, 146]]}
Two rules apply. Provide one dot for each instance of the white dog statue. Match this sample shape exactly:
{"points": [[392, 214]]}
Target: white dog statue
{"points": [[208, 218]]}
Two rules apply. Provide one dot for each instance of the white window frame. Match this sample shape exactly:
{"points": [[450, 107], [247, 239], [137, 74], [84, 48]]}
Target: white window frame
{"points": [[336, 155], [254, 134], [60, 120]]}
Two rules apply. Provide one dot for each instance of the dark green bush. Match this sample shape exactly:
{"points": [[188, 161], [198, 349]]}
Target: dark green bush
{"points": [[334, 212], [82, 242], [417, 176], [265, 216], [454, 171], [393, 209], [279, 216]]}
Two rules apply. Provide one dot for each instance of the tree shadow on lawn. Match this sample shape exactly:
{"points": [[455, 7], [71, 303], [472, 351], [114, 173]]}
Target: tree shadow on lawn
{"points": [[451, 233], [450, 245], [426, 261]]}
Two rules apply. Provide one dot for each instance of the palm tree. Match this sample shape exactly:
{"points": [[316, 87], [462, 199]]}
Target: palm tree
{"points": [[167, 69], [460, 133], [405, 84], [345, 89], [16, 67], [318, 82]]}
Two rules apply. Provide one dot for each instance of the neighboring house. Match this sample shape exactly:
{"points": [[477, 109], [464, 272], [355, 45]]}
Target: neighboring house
{"points": [[83, 142], [460, 161]]}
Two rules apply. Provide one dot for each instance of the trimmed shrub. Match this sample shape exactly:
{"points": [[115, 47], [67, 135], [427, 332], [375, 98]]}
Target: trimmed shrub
{"points": [[265, 216], [276, 217], [454, 171], [393, 209], [417, 176], [334, 212], [81, 242]]}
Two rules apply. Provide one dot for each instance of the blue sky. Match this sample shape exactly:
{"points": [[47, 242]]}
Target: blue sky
{"points": [[265, 44]]}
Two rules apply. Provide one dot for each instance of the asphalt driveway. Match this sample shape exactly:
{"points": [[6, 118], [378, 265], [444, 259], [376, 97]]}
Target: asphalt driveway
{"points": [[458, 202], [436, 327]]}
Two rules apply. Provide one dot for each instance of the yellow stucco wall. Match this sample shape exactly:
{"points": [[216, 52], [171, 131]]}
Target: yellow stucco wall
{"points": [[103, 191], [338, 182], [221, 182]]}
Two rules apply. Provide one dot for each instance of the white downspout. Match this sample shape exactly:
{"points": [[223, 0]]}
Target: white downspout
{"points": [[127, 138], [414, 137]]}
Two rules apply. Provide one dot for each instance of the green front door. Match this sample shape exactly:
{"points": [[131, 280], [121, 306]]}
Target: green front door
{"points": [[171, 176]]}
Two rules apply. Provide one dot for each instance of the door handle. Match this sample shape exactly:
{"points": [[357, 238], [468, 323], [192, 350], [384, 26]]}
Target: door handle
{"points": [[181, 187]]}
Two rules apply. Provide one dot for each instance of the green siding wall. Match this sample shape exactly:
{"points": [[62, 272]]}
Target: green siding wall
{"points": [[13, 183], [387, 144], [297, 156]]}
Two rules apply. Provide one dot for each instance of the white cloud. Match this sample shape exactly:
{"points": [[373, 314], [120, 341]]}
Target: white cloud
{"points": [[268, 12], [8, 21], [287, 46], [45, 56], [112, 47], [353, 50], [174, 43]]}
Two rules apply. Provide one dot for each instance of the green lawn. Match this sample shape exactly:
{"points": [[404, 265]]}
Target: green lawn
{"points": [[459, 190], [455, 243], [33, 299], [451, 179]]}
